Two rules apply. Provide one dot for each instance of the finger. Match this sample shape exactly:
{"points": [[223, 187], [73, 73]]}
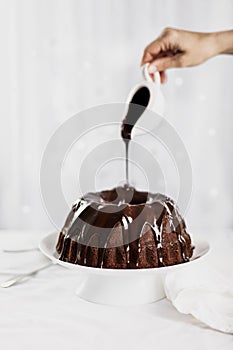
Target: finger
{"points": [[163, 76], [164, 63]]}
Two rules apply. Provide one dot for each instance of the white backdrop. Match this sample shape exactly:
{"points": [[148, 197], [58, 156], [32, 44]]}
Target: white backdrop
{"points": [[62, 56]]}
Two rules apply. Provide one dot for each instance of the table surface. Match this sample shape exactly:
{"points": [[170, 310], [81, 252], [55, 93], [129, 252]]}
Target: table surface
{"points": [[44, 312]]}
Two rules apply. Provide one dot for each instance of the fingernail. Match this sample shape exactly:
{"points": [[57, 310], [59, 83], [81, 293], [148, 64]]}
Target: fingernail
{"points": [[152, 69]]}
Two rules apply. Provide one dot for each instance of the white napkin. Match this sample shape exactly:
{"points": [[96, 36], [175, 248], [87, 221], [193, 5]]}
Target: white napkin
{"points": [[204, 291]]}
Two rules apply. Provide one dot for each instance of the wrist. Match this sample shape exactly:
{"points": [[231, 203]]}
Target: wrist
{"points": [[213, 42]]}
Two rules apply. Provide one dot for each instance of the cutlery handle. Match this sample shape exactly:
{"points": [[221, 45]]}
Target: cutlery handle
{"points": [[13, 280], [19, 250]]}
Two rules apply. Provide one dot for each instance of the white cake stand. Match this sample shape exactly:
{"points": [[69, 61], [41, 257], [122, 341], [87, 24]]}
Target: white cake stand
{"points": [[120, 286]]}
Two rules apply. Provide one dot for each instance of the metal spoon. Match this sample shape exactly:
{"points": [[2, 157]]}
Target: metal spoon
{"points": [[17, 278]]}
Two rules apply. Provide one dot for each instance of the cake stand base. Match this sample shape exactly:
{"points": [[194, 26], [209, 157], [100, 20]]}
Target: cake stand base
{"points": [[121, 286]]}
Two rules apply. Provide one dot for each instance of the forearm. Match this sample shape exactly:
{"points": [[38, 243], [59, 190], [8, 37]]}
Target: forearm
{"points": [[223, 42]]}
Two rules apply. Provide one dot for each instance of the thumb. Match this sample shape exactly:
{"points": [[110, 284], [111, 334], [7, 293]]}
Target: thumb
{"points": [[147, 57], [164, 63]]}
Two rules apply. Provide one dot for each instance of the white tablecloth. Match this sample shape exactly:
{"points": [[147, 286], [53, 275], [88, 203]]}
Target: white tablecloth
{"points": [[44, 312]]}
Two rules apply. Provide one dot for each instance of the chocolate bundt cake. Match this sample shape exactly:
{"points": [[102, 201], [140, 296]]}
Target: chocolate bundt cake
{"points": [[124, 228]]}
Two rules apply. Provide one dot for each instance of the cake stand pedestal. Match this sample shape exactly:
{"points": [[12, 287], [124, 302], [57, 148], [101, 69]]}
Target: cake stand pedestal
{"points": [[122, 290]]}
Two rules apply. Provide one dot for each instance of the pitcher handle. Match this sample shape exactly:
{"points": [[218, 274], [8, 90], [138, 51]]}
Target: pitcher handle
{"points": [[147, 77]]}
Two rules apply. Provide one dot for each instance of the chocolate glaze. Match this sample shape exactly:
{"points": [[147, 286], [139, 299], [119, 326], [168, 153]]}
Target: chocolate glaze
{"points": [[124, 228], [137, 106]]}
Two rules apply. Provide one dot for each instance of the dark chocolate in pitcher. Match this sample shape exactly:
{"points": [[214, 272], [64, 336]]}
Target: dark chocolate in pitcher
{"points": [[137, 106]]}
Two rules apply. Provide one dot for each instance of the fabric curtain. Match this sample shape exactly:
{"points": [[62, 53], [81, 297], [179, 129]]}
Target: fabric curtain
{"points": [[62, 56]]}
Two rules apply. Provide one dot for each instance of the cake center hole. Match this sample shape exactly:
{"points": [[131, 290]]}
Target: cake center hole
{"points": [[125, 194]]}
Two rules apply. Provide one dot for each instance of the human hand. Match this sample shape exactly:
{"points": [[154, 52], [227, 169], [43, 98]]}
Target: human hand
{"points": [[181, 48]]}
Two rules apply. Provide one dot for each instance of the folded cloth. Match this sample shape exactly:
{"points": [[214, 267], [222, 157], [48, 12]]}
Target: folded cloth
{"points": [[205, 292]]}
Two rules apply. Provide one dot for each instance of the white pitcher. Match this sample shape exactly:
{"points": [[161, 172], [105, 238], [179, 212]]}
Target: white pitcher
{"points": [[156, 101]]}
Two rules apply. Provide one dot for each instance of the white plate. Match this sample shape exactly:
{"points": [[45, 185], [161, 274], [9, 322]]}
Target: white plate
{"points": [[121, 286]]}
